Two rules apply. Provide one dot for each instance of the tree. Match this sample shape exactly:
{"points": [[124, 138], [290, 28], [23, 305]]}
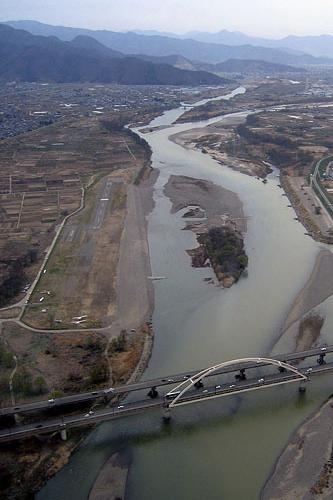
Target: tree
{"points": [[99, 373], [56, 393], [6, 358], [40, 386], [243, 261], [22, 383], [118, 344], [253, 120]]}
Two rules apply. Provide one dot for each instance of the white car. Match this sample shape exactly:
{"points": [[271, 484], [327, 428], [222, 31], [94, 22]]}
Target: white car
{"points": [[89, 413], [261, 380]]}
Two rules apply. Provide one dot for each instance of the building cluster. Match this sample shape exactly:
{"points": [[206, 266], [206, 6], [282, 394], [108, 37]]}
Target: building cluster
{"points": [[27, 106]]}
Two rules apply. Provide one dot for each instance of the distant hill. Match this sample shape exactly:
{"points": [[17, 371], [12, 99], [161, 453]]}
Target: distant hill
{"points": [[234, 66], [226, 37], [253, 67], [235, 38], [88, 43], [25, 57], [176, 61], [157, 45], [319, 46]]}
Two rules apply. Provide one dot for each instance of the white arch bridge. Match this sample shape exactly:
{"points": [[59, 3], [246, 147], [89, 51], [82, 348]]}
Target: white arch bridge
{"points": [[178, 394], [147, 395]]}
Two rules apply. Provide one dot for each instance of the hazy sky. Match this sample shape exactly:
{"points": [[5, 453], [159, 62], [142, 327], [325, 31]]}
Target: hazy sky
{"points": [[261, 17]]}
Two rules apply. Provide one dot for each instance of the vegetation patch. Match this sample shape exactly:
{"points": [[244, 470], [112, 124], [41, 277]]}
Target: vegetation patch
{"points": [[223, 248]]}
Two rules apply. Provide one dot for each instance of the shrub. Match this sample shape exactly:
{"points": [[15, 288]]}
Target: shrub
{"points": [[243, 261], [99, 373], [56, 393], [6, 358], [118, 344], [22, 383], [4, 385], [40, 386]]}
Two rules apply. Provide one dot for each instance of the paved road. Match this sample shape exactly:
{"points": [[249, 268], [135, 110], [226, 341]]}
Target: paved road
{"points": [[123, 410], [148, 384], [317, 184], [102, 205]]}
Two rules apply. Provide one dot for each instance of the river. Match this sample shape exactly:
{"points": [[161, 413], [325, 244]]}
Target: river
{"points": [[222, 450]]}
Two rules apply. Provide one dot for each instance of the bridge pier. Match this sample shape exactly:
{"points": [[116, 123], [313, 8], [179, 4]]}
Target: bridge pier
{"points": [[241, 375], [302, 388], [63, 434], [153, 393], [17, 418], [166, 414], [199, 384], [321, 360]]}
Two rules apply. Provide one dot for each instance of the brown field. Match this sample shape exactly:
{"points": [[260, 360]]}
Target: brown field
{"points": [[81, 273], [43, 174], [64, 361]]}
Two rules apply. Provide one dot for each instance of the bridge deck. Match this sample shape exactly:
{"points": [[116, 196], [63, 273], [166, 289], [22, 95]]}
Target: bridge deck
{"points": [[123, 410], [146, 385]]}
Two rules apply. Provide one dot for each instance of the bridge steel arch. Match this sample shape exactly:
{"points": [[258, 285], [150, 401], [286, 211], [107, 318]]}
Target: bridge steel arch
{"points": [[185, 386]]}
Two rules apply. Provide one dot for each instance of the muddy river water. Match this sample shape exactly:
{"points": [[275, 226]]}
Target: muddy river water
{"points": [[223, 449]]}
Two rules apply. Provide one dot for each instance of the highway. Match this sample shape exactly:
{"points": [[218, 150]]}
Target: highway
{"points": [[316, 182], [93, 396], [162, 401], [123, 410]]}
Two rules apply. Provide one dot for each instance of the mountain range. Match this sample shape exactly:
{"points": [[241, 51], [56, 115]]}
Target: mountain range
{"points": [[212, 49], [235, 66], [27, 57], [319, 46]]}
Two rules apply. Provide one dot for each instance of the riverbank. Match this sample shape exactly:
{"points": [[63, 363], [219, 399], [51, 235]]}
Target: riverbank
{"points": [[135, 300], [41, 460], [209, 139], [317, 289], [304, 320], [318, 226], [304, 469], [111, 481]]}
